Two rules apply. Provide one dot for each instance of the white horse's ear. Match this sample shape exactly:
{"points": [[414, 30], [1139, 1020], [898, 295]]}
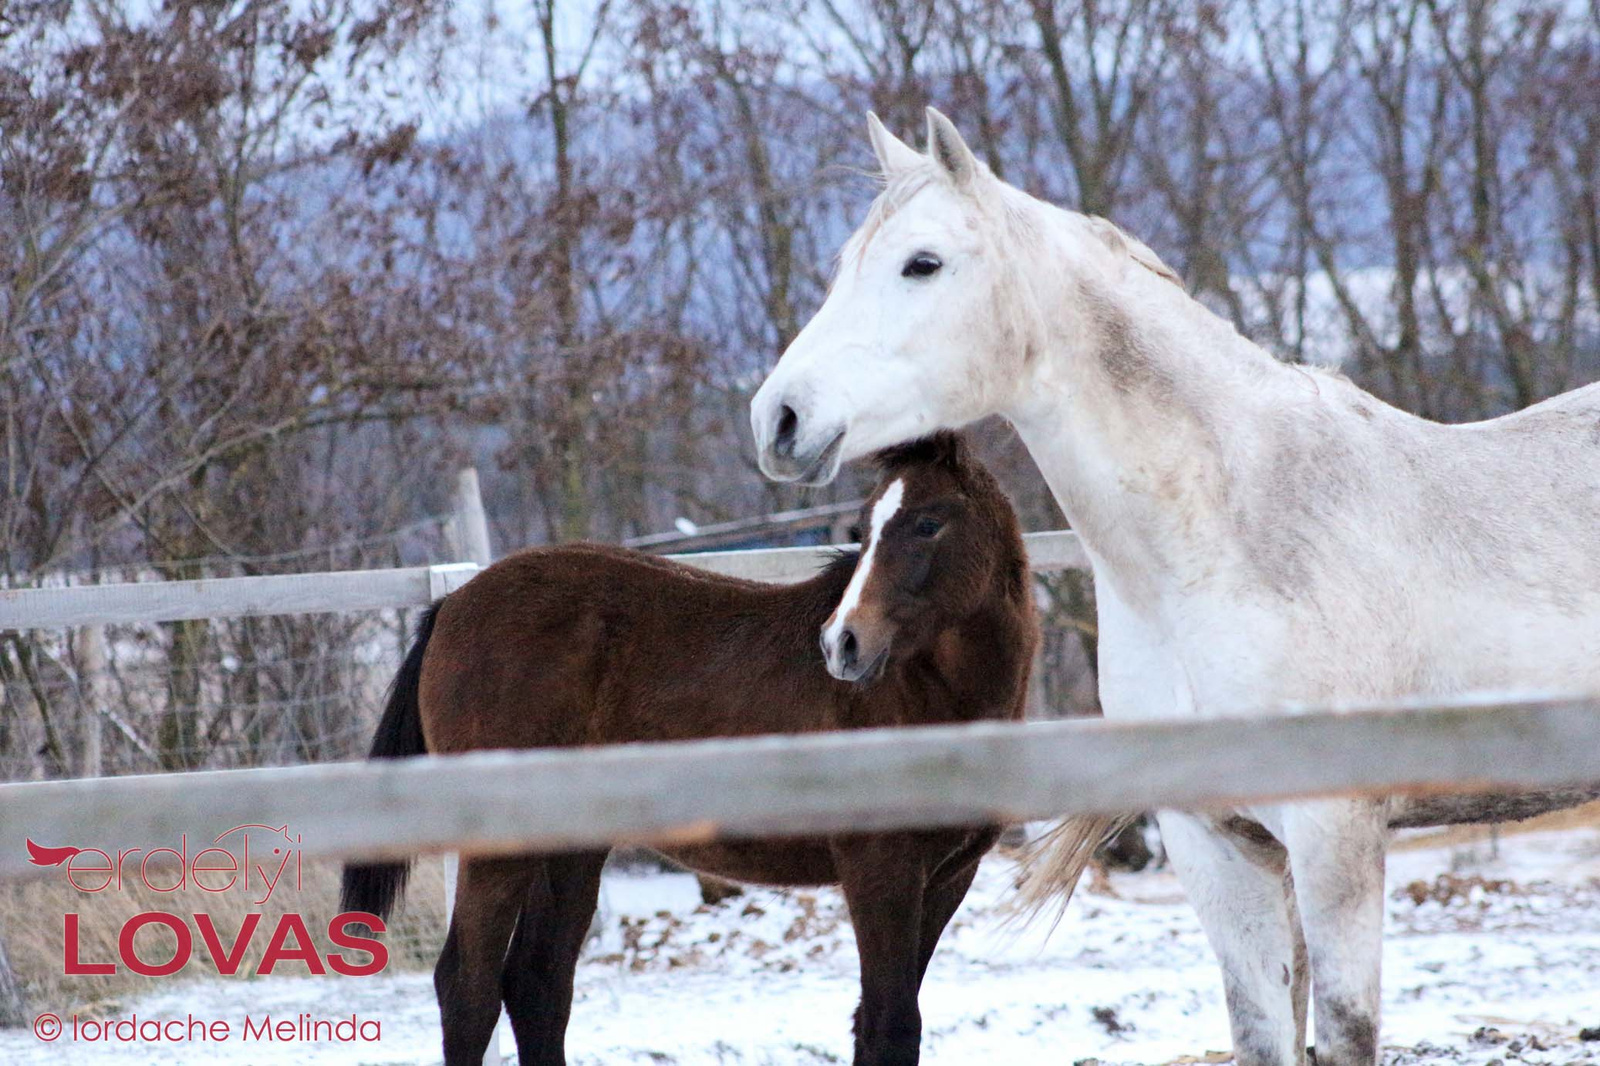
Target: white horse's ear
{"points": [[950, 152], [893, 153]]}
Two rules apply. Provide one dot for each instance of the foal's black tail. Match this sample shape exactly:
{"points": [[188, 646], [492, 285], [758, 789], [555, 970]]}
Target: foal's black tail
{"points": [[374, 887]]}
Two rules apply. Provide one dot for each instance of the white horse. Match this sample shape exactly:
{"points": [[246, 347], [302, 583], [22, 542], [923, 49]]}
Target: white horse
{"points": [[1260, 533]]}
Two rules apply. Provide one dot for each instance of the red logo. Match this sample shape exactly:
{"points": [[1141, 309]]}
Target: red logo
{"points": [[216, 868], [43, 856], [226, 865]]}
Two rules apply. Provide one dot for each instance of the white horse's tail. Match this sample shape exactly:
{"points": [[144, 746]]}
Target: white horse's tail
{"points": [[1053, 863]]}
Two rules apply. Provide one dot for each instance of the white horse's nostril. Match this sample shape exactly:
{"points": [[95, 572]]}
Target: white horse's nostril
{"points": [[787, 431]]}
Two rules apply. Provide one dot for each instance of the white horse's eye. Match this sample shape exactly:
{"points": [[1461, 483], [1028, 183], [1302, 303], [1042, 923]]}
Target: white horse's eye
{"points": [[921, 265]]}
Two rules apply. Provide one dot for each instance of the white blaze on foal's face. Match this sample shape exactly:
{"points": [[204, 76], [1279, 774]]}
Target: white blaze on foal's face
{"points": [[840, 647], [913, 336]]}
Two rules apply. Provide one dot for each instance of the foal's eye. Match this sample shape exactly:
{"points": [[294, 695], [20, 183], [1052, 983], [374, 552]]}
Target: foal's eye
{"points": [[927, 526], [921, 265]]}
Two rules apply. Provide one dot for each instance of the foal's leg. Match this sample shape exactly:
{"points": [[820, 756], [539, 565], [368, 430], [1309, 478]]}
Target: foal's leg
{"points": [[1236, 882], [882, 878], [537, 986], [946, 887], [1337, 850], [467, 977]]}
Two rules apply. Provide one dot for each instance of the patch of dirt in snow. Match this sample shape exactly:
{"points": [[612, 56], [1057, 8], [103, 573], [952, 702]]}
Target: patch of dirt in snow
{"points": [[1488, 958]]}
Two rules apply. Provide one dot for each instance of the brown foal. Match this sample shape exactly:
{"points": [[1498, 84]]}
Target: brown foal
{"points": [[567, 646]]}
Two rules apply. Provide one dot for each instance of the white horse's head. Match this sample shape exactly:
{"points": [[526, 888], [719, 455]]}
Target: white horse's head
{"points": [[916, 333]]}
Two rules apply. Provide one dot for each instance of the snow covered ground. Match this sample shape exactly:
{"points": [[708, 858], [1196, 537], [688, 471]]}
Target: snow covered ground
{"points": [[1486, 961]]}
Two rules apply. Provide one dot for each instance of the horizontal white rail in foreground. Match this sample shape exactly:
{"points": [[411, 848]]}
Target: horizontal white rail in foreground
{"points": [[880, 779], [373, 590]]}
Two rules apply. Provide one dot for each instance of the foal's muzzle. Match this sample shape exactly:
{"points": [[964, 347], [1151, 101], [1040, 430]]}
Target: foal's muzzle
{"points": [[849, 659]]}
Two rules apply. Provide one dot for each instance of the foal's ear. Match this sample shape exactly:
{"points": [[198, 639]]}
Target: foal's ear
{"points": [[950, 153], [893, 153]]}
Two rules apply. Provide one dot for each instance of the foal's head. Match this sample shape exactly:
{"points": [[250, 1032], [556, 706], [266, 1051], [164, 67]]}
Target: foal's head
{"points": [[939, 545]]}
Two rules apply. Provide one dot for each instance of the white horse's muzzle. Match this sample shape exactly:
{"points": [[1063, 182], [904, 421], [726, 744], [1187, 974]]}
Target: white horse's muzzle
{"points": [[791, 446]]}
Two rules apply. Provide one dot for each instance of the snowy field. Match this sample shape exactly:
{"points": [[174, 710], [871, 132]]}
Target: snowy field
{"points": [[1487, 960]]}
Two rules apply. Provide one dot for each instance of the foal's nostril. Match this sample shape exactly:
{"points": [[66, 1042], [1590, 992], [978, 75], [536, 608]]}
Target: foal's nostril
{"points": [[848, 650], [788, 425]]}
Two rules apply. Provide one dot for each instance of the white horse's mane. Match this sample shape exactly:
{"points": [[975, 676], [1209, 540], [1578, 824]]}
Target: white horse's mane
{"points": [[1024, 217], [1120, 240], [896, 189], [893, 192], [1017, 214]]}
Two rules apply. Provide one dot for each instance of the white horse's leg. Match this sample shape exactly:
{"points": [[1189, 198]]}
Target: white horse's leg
{"points": [[1237, 883], [1336, 854]]}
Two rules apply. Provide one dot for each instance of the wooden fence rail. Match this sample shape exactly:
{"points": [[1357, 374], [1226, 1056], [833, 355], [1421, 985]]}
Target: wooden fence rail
{"points": [[225, 597], [371, 590], [880, 779]]}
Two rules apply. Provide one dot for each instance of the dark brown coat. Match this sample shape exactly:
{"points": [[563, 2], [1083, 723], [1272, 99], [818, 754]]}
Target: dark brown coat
{"points": [[584, 644]]}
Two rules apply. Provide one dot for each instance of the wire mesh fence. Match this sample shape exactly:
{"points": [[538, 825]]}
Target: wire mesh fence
{"points": [[211, 693], [207, 694]]}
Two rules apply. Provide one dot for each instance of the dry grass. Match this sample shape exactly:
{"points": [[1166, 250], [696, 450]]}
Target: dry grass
{"points": [[32, 921], [1448, 888]]}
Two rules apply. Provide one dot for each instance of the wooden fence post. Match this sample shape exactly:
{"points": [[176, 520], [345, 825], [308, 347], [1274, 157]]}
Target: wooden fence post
{"points": [[13, 1010], [93, 695], [470, 527], [469, 530]]}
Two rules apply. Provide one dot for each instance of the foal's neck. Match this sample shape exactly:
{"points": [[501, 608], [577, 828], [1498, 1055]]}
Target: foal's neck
{"points": [[978, 665], [1142, 410]]}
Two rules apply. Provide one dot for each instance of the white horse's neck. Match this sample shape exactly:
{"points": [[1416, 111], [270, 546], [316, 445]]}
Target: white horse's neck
{"points": [[1142, 409]]}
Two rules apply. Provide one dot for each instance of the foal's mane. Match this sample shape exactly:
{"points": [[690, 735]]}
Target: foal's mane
{"points": [[944, 448], [841, 562]]}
